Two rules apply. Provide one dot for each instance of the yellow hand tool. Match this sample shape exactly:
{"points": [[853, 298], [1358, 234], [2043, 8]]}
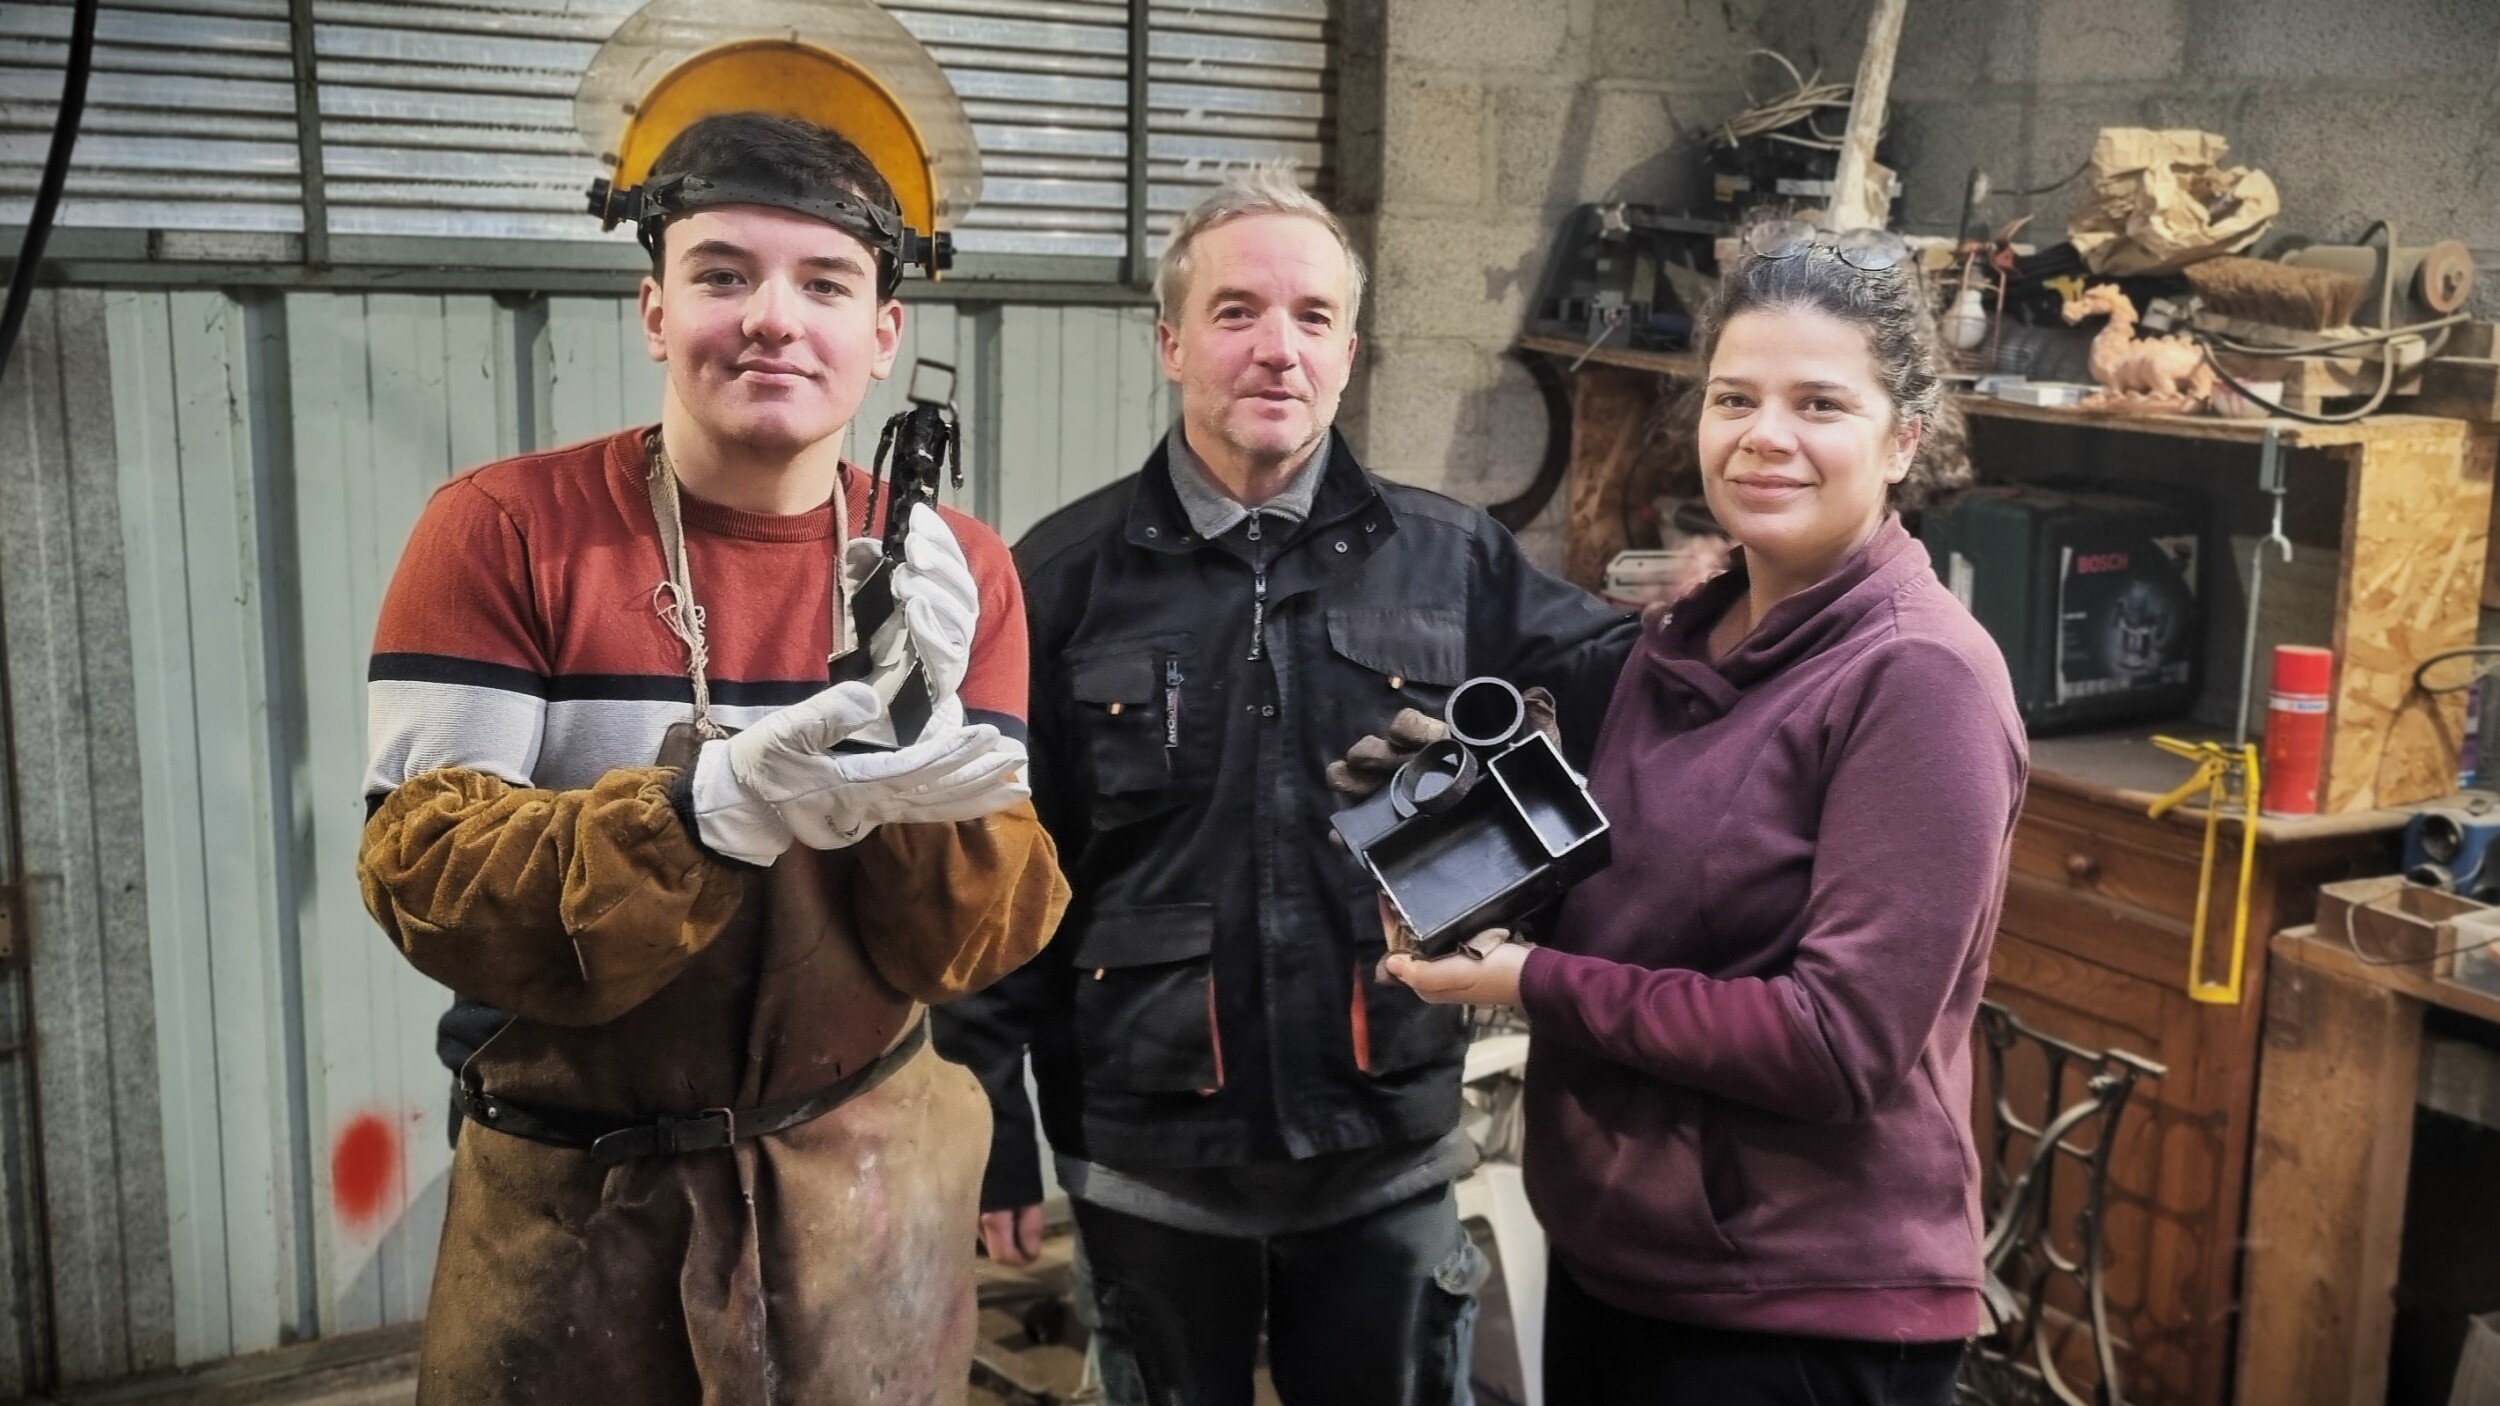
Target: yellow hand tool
{"points": [[2218, 768]]}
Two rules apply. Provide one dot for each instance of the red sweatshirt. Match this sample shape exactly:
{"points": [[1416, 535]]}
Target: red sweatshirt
{"points": [[1749, 1097]]}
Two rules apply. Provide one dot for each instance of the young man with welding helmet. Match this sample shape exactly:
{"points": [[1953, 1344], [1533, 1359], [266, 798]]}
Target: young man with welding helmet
{"points": [[1253, 1129], [691, 898]]}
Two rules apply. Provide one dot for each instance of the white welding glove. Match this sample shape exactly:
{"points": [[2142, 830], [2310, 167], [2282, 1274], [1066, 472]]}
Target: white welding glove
{"points": [[953, 773], [937, 603], [779, 780], [741, 784]]}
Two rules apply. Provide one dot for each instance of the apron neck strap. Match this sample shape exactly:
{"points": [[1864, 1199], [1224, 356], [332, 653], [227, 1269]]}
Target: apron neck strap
{"points": [[673, 600]]}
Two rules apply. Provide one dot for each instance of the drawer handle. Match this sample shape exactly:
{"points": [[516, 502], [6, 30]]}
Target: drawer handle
{"points": [[2082, 868]]}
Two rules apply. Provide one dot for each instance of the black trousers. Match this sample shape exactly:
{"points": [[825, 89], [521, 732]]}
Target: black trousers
{"points": [[1376, 1311], [1599, 1355]]}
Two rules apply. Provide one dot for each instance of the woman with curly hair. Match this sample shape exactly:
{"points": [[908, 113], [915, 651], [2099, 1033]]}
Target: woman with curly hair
{"points": [[1749, 1094]]}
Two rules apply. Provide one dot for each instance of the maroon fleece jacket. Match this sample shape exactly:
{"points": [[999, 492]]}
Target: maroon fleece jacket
{"points": [[1749, 1092]]}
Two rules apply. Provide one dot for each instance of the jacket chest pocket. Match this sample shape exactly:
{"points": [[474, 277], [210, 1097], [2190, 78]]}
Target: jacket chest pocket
{"points": [[1388, 659], [1145, 1000], [1131, 703]]}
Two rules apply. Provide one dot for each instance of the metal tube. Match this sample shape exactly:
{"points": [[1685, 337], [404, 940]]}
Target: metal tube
{"points": [[1140, 37], [1485, 712], [308, 160], [2270, 480]]}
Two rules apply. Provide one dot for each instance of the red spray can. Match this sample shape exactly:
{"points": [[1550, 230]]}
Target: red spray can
{"points": [[2296, 709]]}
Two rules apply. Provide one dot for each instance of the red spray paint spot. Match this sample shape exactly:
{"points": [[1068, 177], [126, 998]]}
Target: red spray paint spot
{"points": [[364, 1171]]}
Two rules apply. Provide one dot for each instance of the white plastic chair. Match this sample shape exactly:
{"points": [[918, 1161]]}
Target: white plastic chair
{"points": [[1494, 1193]]}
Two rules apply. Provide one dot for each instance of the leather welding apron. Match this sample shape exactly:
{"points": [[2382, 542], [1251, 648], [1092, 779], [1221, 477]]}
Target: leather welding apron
{"points": [[828, 1263]]}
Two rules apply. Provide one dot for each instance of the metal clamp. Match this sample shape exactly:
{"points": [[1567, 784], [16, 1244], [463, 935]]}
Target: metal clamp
{"points": [[2217, 767]]}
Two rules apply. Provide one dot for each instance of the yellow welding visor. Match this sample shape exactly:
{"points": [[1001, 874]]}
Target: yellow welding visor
{"points": [[845, 65]]}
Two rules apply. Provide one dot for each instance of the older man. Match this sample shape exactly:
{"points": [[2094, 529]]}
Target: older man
{"points": [[1251, 1127]]}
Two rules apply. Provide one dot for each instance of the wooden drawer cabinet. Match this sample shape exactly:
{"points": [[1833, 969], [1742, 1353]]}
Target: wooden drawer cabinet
{"points": [[2093, 948]]}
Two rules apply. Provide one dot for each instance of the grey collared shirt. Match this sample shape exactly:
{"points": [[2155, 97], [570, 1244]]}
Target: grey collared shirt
{"points": [[1214, 511]]}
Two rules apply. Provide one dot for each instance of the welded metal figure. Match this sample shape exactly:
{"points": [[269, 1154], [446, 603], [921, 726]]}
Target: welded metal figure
{"points": [[918, 447]]}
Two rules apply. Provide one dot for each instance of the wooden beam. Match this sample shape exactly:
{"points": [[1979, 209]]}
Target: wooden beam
{"points": [[2334, 1141], [2466, 389], [1860, 199]]}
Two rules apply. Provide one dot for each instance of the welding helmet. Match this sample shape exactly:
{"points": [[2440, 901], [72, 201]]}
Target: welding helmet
{"points": [[845, 65]]}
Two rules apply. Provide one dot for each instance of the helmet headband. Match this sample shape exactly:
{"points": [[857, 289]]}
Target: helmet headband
{"points": [[650, 206]]}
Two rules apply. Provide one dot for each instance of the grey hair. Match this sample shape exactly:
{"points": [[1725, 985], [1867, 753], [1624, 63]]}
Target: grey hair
{"points": [[1262, 188], [1890, 307]]}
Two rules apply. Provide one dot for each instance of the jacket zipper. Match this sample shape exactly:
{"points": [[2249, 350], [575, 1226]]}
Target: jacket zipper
{"points": [[1171, 704], [1258, 591]]}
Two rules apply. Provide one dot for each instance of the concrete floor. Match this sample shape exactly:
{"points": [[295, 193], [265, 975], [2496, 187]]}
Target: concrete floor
{"points": [[380, 1368]]}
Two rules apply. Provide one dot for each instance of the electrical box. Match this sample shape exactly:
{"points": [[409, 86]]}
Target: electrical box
{"points": [[2095, 598]]}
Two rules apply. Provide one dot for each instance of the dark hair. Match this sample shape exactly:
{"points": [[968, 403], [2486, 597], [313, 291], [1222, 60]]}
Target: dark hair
{"points": [[762, 148], [1890, 306]]}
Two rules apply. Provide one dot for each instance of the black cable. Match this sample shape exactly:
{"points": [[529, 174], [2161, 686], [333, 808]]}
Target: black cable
{"points": [[2044, 190], [2421, 671], [2366, 339], [2386, 383], [55, 176]]}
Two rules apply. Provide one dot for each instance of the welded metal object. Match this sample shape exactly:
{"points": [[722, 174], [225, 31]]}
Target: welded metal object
{"points": [[1481, 828], [920, 446]]}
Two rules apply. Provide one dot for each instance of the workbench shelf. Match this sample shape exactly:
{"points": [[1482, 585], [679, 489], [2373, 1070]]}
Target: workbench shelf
{"points": [[2403, 501]]}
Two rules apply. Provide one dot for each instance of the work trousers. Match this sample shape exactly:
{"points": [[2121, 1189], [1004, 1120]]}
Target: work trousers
{"points": [[1375, 1311], [1599, 1355]]}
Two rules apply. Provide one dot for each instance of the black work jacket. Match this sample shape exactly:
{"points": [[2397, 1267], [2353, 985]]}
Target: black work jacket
{"points": [[1209, 998]]}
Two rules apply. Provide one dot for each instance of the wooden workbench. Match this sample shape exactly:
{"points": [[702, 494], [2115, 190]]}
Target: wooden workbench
{"points": [[2334, 1144], [2093, 947]]}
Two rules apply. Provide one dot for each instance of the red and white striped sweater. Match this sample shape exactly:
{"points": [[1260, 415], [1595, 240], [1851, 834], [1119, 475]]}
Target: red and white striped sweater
{"points": [[521, 635]]}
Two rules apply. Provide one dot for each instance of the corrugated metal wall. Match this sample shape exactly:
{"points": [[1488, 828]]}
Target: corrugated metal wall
{"points": [[456, 119], [195, 450], [208, 498], [208, 492], [84, 958]]}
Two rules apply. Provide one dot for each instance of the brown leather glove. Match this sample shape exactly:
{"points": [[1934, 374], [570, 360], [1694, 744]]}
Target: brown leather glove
{"points": [[1369, 763], [1541, 712]]}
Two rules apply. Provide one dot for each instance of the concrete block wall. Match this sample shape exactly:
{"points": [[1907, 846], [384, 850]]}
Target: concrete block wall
{"points": [[2358, 112], [1467, 130]]}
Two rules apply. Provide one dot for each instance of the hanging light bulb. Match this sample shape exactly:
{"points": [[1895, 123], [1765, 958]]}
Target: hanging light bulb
{"points": [[1966, 325]]}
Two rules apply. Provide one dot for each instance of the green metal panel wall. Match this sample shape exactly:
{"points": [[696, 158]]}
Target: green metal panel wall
{"points": [[391, 394], [1075, 399], [595, 373], [191, 522], [82, 967], [272, 456]]}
